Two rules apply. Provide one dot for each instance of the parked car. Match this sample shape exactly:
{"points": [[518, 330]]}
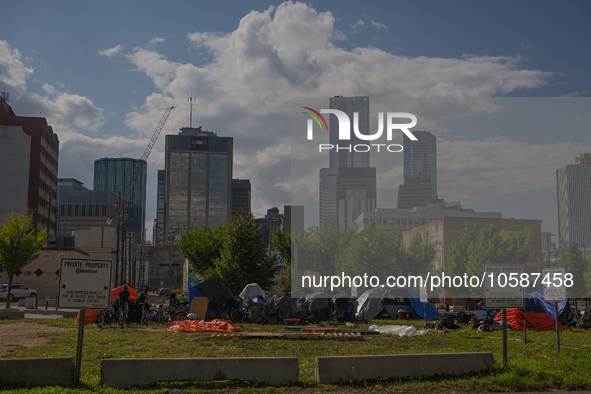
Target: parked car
{"points": [[164, 291], [17, 291]]}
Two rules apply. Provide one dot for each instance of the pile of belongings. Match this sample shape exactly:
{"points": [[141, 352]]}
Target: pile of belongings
{"points": [[401, 331], [446, 323], [218, 325], [584, 319], [300, 304]]}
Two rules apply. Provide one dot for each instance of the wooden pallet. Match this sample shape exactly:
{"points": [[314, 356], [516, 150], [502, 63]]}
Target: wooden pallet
{"points": [[290, 335]]}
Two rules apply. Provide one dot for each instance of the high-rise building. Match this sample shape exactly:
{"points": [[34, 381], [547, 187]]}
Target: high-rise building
{"points": [[415, 191], [198, 189], [348, 157], [28, 167], [83, 209], [345, 193], [115, 175], [574, 204], [421, 155], [272, 220], [293, 220], [70, 184], [240, 196], [159, 221]]}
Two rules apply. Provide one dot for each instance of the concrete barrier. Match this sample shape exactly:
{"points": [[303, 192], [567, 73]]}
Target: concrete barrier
{"points": [[38, 371], [31, 302], [275, 371], [343, 369], [9, 314]]}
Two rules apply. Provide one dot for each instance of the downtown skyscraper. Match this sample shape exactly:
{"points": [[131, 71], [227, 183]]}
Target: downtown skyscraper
{"points": [[420, 170], [348, 186], [573, 186]]}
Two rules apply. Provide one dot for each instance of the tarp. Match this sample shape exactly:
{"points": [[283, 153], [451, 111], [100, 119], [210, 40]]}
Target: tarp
{"points": [[250, 291], [299, 304], [91, 314], [373, 301], [547, 306], [401, 331], [218, 325], [535, 321], [217, 293]]}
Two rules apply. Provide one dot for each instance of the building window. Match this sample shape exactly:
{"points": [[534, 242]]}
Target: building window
{"points": [[404, 221], [397, 220], [83, 210], [76, 210], [379, 221], [365, 221], [391, 221], [104, 209], [97, 209], [417, 222], [62, 210], [90, 210], [423, 221]]}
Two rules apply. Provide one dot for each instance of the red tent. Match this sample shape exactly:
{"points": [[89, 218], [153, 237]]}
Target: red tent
{"points": [[535, 321], [91, 314]]}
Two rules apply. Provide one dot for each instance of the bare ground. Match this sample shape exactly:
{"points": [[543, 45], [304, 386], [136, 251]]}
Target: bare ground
{"points": [[25, 334]]}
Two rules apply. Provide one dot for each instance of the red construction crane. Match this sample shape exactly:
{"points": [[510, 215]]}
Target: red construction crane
{"points": [[139, 168]]}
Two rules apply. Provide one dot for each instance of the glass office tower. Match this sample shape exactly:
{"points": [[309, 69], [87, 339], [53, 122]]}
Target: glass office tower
{"points": [[115, 175], [198, 189]]}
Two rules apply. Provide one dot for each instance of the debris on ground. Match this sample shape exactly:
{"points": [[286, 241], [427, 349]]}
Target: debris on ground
{"points": [[401, 331]]}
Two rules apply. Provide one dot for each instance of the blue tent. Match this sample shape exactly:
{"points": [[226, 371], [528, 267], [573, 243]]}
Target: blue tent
{"points": [[372, 302], [535, 301]]}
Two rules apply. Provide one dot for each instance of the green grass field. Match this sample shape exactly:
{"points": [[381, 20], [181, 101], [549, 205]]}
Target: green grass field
{"points": [[534, 366]]}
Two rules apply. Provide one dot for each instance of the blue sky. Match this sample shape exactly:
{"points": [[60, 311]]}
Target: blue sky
{"points": [[103, 73]]}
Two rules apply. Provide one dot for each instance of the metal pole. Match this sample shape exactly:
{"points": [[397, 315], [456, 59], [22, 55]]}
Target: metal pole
{"points": [[525, 331], [557, 328], [505, 335], [79, 346], [425, 313]]}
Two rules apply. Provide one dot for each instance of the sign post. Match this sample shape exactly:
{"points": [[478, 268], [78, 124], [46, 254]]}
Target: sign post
{"points": [[502, 290], [84, 284], [423, 294], [553, 293]]}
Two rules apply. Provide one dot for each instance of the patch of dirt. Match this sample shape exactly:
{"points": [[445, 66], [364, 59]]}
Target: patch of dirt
{"points": [[25, 334]]}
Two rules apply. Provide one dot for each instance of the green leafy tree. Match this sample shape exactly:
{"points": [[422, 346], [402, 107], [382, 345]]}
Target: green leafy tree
{"points": [[19, 245], [282, 243], [571, 258], [420, 255], [457, 257], [202, 247], [372, 252], [319, 247], [588, 278], [244, 256]]}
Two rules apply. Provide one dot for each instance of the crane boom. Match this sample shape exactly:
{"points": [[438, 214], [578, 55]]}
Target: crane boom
{"points": [[140, 167]]}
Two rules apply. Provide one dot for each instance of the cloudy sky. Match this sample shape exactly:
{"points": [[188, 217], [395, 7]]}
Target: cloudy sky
{"points": [[102, 74]]}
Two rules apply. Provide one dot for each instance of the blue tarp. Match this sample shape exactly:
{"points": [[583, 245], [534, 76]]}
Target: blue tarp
{"points": [[544, 306], [414, 298]]}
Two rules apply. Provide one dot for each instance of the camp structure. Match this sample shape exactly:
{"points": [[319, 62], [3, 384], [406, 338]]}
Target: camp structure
{"points": [[219, 296], [385, 302], [299, 304], [92, 314], [252, 292]]}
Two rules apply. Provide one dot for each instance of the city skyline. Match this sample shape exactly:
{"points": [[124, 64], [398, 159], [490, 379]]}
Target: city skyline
{"points": [[103, 92]]}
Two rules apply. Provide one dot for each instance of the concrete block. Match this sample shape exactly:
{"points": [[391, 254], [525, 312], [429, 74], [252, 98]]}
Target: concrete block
{"points": [[275, 371], [345, 368], [71, 314], [11, 314], [31, 302], [21, 302], [38, 371]]}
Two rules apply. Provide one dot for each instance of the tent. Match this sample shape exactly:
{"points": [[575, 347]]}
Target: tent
{"points": [[217, 293], [299, 304], [535, 301], [91, 314], [251, 291], [388, 300]]}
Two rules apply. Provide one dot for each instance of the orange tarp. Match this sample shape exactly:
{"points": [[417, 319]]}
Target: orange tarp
{"points": [[91, 314], [535, 321], [217, 325]]}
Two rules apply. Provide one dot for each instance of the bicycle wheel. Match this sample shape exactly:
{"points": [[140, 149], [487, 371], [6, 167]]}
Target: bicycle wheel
{"points": [[100, 320], [146, 316], [236, 316]]}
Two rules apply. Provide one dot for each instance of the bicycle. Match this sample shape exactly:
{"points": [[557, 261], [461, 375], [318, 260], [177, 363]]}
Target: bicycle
{"points": [[163, 315], [106, 316]]}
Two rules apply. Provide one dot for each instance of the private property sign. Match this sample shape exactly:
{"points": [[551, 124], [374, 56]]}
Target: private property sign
{"points": [[85, 284], [500, 288]]}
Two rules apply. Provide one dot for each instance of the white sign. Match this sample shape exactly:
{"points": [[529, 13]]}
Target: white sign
{"points": [[551, 278], [502, 286], [423, 294], [84, 284]]}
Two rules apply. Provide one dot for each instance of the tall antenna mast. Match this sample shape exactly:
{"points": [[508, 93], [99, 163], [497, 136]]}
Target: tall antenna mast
{"points": [[191, 98]]}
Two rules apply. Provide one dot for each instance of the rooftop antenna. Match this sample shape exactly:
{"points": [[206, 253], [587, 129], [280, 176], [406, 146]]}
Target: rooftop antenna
{"points": [[191, 98]]}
